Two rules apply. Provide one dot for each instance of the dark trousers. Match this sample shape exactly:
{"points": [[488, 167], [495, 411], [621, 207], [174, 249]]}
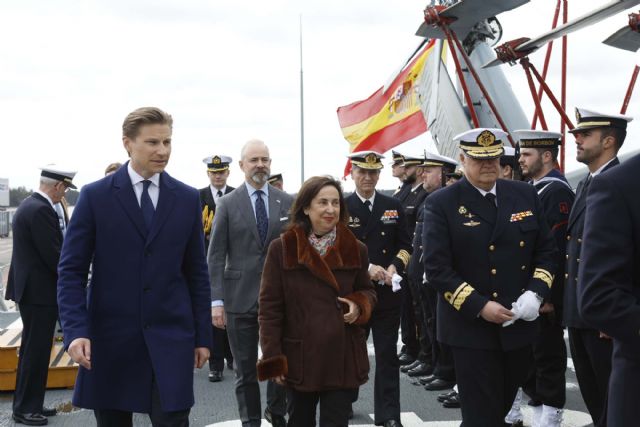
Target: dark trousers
{"points": [[242, 330], [546, 383], [159, 418], [424, 342], [38, 326], [386, 387], [408, 323], [591, 357], [220, 350], [488, 381], [443, 366], [334, 408]]}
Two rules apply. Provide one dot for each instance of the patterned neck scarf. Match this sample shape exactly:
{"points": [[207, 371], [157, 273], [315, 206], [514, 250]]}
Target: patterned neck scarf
{"points": [[323, 243]]}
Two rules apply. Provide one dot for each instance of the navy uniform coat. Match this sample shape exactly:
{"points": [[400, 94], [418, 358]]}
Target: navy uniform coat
{"points": [[575, 228], [206, 199], [148, 306], [416, 267], [609, 281], [473, 258], [37, 240], [557, 199], [384, 232]]}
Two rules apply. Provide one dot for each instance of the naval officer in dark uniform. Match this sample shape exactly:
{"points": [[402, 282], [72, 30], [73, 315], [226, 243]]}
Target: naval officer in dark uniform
{"points": [[218, 173], [379, 222], [491, 257], [609, 282], [33, 274], [598, 139], [546, 384]]}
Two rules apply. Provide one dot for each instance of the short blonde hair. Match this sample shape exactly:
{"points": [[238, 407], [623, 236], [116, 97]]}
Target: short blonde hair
{"points": [[144, 116]]}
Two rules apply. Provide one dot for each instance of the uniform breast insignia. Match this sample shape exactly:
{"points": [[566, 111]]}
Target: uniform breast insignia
{"points": [[519, 216], [465, 213], [354, 222], [389, 217]]}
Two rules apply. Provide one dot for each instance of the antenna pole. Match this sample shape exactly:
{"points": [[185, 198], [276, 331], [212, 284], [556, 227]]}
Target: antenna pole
{"points": [[301, 111]]}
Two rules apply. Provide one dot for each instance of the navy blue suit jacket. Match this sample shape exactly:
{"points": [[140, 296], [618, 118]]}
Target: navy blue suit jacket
{"points": [[148, 305]]}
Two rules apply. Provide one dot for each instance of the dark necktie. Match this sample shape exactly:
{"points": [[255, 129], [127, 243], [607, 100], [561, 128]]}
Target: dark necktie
{"points": [[261, 217], [219, 193], [585, 187], [491, 198], [367, 204], [146, 204]]}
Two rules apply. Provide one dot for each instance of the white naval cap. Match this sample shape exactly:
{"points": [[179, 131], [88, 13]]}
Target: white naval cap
{"points": [[217, 163], [433, 159], [587, 119], [59, 174], [529, 138], [366, 159], [482, 143]]}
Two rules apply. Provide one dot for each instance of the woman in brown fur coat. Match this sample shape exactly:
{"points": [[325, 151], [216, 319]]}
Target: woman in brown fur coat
{"points": [[315, 293]]}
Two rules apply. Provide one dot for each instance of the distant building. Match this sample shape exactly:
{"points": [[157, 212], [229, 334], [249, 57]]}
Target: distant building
{"points": [[575, 176]]}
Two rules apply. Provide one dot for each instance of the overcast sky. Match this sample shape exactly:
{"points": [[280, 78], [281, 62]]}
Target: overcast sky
{"points": [[229, 71]]}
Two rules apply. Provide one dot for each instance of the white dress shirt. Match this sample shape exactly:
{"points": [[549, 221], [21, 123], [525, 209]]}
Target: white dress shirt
{"points": [[214, 192], [138, 186], [370, 199], [484, 193], [601, 168]]}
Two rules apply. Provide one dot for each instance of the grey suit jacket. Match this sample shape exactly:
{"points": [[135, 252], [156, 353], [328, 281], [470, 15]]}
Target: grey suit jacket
{"points": [[236, 255]]}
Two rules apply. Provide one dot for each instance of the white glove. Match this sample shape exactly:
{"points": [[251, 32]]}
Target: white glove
{"points": [[395, 282], [424, 278], [527, 308]]}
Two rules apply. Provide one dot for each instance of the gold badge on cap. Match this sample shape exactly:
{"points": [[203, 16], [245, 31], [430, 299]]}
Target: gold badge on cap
{"points": [[486, 138], [371, 159], [578, 116], [216, 160]]}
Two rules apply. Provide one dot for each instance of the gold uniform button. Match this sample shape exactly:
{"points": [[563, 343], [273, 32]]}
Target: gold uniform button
{"points": [[382, 232], [579, 240], [384, 251], [568, 237], [494, 271], [495, 295], [566, 275], [567, 256], [524, 267], [492, 248], [577, 259], [522, 243]]}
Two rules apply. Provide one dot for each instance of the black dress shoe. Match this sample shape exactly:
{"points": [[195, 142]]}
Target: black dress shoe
{"points": [[427, 379], [444, 396], [410, 366], [230, 364], [274, 419], [30, 419], [215, 376], [392, 423], [406, 359], [350, 415], [439, 384], [454, 402], [421, 370], [49, 412]]}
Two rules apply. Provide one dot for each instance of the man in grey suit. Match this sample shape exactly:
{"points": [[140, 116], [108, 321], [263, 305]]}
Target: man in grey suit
{"points": [[246, 221]]}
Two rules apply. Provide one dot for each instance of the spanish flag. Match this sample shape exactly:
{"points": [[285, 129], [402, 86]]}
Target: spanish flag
{"points": [[391, 115]]}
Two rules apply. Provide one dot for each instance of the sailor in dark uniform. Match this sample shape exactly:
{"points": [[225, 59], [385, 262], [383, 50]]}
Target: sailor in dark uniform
{"points": [[32, 284], [434, 170], [417, 355], [490, 255], [380, 223], [546, 384], [277, 181], [218, 173], [609, 282], [598, 139], [509, 164], [398, 171]]}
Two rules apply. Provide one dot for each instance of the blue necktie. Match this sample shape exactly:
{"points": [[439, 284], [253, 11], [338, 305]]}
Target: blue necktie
{"points": [[146, 204], [261, 217]]}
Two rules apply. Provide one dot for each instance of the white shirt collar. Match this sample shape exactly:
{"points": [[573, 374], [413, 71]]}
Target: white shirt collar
{"points": [[362, 199], [46, 196], [214, 190], [596, 173], [484, 193], [136, 177], [416, 187]]}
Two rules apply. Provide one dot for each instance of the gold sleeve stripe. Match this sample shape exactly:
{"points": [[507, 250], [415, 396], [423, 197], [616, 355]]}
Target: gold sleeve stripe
{"points": [[404, 257], [462, 297], [543, 275]]}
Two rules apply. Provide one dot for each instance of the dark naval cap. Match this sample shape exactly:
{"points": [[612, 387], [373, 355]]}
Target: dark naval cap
{"points": [[537, 138], [217, 163], [482, 143], [367, 159], [59, 174], [274, 178], [591, 120]]}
